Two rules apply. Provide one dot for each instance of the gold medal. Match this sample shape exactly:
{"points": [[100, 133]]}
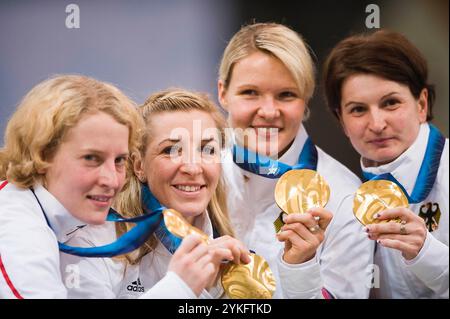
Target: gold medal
{"points": [[253, 280], [278, 223], [373, 197], [180, 227], [297, 191]]}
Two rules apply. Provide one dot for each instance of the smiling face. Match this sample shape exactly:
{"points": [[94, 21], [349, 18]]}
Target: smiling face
{"points": [[182, 160], [264, 103], [88, 168], [380, 117]]}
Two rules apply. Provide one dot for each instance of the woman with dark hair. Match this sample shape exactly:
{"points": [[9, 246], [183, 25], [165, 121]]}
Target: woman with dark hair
{"points": [[377, 86]]}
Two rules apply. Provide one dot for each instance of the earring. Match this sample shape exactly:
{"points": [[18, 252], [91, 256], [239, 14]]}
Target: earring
{"points": [[307, 113]]}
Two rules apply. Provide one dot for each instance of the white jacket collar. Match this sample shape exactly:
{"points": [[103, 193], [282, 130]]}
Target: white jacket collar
{"points": [[203, 222], [61, 220], [406, 167]]}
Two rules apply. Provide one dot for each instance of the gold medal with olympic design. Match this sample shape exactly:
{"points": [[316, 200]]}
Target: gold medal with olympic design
{"points": [[375, 196], [297, 191], [254, 280]]}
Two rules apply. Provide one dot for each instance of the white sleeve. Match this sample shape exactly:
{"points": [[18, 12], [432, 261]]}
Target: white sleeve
{"points": [[87, 278], [171, 286], [342, 266], [98, 277], [29, 256], [300, 281], [346, 258], [431, 266]]}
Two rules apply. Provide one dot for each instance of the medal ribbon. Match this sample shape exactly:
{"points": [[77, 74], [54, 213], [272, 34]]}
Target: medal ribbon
{"points": [[150, 222], [428, 169], [267, 167]]}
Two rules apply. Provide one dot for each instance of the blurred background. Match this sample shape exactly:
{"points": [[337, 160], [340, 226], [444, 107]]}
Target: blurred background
{"points": [[144, 46]]}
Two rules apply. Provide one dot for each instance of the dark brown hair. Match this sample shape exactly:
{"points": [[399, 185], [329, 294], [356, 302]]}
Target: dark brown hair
{"points": [[384, 53]]}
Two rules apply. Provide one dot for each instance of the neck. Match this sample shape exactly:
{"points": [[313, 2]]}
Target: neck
{"points": [[190, 219], [285, 149], [370, 163], [279, 154]]}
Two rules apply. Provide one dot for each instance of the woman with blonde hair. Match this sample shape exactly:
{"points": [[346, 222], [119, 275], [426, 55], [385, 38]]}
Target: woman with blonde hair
{"points": [[63, 163], [178, 167], [266, 79]]}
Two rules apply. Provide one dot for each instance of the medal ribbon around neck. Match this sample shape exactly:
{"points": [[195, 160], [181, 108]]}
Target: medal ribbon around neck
{"points": [[150, 222], [299, 187], [428, 169], [267, 167]]}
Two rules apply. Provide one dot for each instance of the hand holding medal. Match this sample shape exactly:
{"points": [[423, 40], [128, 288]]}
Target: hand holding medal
{"points": [[382, 207], [301, 194], [373, 197], [253, 280]]}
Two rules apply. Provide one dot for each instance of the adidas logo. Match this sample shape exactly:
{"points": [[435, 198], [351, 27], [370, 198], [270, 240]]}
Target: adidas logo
{"points": [[136, 286]]}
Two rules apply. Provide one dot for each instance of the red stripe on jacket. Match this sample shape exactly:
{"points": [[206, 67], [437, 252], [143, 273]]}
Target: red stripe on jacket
{"points": [[2, 267], [8, 281], [3, 184], [326, 294]]}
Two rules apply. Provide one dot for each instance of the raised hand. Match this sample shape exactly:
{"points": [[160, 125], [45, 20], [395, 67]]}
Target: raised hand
{"points": [[236, 248], [194, 264], [303, 233], [407, 236]]}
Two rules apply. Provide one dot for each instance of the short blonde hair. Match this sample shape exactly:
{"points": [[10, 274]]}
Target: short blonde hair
{"points": [[47, 112], [277, 40], [128, 201]]}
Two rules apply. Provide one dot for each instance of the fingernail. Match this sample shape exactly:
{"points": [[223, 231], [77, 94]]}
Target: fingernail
{"points": [[366, 229], [283, 217], [379, 241], [369, 236], [377, 215]]}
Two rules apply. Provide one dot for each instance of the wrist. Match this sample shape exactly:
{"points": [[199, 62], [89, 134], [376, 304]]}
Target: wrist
{"points": [[289, 259], [411, 256]]}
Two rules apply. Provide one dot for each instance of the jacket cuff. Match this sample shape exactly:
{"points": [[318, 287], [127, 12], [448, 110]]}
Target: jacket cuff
{"points": [[171, 286], [300, 280], [431, 263]]}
